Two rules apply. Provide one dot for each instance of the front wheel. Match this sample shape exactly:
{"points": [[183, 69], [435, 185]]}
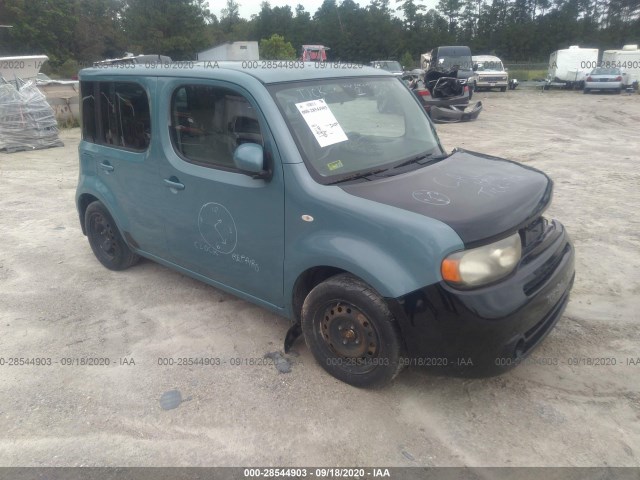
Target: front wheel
{"points": [[105, 239], [586, 90], [351, 332]]}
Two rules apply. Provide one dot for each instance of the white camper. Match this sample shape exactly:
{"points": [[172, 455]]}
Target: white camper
{"points": [[571, 65], [238, 51], [627, 59]]}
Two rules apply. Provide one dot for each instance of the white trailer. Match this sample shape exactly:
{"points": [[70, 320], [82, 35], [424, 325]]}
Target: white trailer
{"points": [[571, 65], [238, 51], [627, 59]]}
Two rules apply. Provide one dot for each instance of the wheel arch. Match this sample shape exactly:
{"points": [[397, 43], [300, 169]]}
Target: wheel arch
{"points": [[84, 200], [306, 282]]}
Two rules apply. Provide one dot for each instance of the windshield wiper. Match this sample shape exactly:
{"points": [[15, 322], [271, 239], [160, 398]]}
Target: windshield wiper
{"points": [[358, 175], [431, 156]]}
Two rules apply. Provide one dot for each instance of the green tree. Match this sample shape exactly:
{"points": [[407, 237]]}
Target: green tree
{"points": [[407, 61], [177, 28], [230, 15], [275, 48]]}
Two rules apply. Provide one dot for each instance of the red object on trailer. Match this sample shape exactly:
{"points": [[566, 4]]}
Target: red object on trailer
{"points": [[314, 53]]}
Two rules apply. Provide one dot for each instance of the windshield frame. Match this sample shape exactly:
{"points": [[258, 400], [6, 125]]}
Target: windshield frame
{"points": [[438, 150]]}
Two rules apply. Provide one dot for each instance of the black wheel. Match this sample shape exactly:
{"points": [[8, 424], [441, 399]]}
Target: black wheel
{"points": [[618, 91], [503, 89], [105, 239], [586, 90], [351, 332]]}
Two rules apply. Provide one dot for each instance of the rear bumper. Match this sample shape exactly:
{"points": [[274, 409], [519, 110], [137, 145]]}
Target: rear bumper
{"points": [[488, 330], [603, 85]]}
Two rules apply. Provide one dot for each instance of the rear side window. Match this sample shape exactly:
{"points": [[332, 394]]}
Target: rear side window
{"points": [[125, 119], [87, 95], [209, 123]]}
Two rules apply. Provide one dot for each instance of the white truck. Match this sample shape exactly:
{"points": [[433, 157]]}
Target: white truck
{"points": [[627, 59], [571, 65]]}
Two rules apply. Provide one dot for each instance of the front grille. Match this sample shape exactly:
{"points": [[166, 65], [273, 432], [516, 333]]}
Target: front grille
{"points": [[532, 233], [492, 79], [542, 274]]}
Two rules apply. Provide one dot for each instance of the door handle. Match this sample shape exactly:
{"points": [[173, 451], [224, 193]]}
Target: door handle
{"points": [[106, 166], [174, 183]]}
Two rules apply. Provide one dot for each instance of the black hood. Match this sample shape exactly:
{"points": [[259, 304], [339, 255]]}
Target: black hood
{"points": [[479, 196]]}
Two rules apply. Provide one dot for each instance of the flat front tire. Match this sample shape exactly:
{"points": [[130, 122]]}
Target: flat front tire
{"points": [[105, 239], [351, 332]]}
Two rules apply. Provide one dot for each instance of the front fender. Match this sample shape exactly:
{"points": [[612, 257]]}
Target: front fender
{"points": [[394, 250], [379, 268]]}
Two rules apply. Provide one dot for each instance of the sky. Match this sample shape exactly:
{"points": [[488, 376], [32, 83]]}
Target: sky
{"points": [[252, 7]]}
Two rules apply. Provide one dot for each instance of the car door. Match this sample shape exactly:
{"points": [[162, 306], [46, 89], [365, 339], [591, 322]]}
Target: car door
{"points": [[219, 222], [125, 158]]}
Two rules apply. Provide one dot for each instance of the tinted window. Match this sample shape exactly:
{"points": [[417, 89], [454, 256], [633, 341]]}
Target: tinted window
{"points": [[125, 118], [208, 123], [87, 90], [454, 57]]}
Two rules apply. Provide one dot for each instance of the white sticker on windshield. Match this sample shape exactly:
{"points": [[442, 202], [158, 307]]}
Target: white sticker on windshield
{"points": [[322, 122]]}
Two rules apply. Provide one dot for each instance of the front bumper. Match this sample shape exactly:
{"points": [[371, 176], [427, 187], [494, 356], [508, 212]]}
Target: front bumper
{"points": [[484, 83], [487, 330]]}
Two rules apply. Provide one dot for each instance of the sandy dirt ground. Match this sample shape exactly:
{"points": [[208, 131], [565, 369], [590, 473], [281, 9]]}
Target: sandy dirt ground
{"points": [[57, 301]]}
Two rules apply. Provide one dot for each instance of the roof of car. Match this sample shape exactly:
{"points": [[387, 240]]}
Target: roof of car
{"points": [[485, 58], [266, 71]]}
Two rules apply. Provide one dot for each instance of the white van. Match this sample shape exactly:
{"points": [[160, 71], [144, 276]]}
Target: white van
{"points": [[627, 59], [490, 73]]}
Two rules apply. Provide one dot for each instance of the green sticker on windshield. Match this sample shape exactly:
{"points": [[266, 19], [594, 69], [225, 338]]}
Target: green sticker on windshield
{"points": [[335, 165]]}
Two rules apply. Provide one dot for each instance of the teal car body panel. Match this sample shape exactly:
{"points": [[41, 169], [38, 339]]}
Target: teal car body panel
{"points": [[258, 234]]}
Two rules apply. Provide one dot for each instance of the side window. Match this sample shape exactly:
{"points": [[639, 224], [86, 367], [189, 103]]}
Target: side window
{"points": [[208, 123], [124, 115], [87, 91]]}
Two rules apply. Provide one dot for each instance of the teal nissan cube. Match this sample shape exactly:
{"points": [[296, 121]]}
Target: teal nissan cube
{"points": [[283, 183]]}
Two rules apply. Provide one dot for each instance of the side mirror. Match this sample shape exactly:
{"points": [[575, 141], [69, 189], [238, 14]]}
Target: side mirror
{"points": [[475, 67], [249, 158], [506, 69]]}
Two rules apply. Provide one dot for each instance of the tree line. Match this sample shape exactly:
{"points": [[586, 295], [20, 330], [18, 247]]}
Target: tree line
{"points": [[75, 32]]}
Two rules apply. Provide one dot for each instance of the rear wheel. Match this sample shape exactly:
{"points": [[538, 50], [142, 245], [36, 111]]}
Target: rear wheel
{"points": [[586, 90], [105, 239], [351, 332]]}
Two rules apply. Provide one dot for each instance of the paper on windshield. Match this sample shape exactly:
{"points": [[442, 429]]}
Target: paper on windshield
{"points": [[322, 122]]}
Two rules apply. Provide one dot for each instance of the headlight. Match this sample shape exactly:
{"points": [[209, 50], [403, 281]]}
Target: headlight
{"points": [[482, 265]]}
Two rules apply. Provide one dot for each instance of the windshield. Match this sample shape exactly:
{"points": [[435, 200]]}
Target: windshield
{"points": [[449, 62], [490, 66], [355, 125]]}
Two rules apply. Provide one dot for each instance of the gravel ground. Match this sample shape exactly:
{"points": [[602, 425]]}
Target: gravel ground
{"points": [[57, 301]]}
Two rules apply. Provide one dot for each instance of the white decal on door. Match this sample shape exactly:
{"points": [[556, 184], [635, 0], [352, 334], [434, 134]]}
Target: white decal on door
{"points": [[217, 227]]}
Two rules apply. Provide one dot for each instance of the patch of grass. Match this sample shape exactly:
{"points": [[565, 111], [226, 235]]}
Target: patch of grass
{"points": [[524, 75]]}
